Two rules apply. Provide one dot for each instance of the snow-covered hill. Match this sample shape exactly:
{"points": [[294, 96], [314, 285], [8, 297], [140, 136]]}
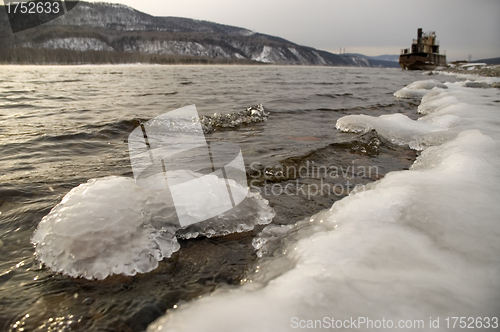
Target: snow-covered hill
{"points": [[111, 28]]}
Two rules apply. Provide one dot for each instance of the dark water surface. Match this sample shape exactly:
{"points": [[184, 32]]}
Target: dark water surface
{"points": [[60, 126]]}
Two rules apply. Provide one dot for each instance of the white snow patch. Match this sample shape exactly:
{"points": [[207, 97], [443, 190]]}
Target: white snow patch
{"points": [[471, 77], [320, 58], [265, 55], [172, 47], [73, 43], [301, 59], [479, 64]]}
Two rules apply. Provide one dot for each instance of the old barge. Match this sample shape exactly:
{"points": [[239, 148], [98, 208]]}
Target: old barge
{"points": [[423, 54]]}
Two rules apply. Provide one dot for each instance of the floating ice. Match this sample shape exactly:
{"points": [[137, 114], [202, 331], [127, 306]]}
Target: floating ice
{"points": [[254, 210], [112, 226], [270, 238], [116, 225], [418, 89], [170, 152], [106, 226], [397, 128], [415, 245]]}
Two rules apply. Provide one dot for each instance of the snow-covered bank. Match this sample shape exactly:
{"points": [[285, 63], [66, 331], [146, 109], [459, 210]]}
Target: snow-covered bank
{"points": [[415, 245], [481, 69]]}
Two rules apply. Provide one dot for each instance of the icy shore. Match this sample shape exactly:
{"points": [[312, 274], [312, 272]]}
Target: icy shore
{"points": [[415, 246], [481, 69]]}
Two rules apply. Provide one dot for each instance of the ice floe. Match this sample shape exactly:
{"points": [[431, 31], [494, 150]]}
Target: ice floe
{"points": [[112, 226]]}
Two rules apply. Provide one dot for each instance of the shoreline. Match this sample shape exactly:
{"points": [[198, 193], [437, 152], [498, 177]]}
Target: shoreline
{"points": [[471, 69], [476, 75], [420, 250]]}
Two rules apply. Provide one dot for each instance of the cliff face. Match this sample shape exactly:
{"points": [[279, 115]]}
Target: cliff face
{"points": [[111, 28]]}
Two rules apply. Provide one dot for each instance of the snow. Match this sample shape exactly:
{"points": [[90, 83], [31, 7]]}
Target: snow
{"points": [[471, 77], [245, 32], [418, 89], [297, 54], [417, 244], [359, 61], [172, 47], [265, 55], [479, 64], [282, 55], [319, 57], [74, 44]]}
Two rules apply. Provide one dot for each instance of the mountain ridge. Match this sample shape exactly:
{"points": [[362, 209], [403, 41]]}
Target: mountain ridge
{"points": [[115, 33]]}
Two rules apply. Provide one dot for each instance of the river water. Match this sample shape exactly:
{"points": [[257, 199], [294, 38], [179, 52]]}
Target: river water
{"points": [[63, 125]]}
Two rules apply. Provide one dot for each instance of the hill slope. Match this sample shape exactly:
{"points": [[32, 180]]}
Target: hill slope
{"points": [[102, 32]]}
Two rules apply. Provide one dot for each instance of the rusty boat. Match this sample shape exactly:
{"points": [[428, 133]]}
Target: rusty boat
{"points": [[423, 54]]}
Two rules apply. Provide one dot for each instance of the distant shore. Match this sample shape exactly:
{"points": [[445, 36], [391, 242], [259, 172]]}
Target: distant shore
{"points": [[28, 56], [474, 69]]}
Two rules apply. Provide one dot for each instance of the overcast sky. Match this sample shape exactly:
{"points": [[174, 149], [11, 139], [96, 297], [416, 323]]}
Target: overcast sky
{"points": [[371, 27]]}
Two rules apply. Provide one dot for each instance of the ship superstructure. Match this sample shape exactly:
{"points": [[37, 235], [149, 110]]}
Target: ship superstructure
{"points": [[423, 54]]}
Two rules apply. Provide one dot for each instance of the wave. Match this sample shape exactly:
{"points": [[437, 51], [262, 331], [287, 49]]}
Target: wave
{"points": [[157, 94], [227, 121], [416, 244], [122, 128], [399, 105], [368, 144], [337, 95]]}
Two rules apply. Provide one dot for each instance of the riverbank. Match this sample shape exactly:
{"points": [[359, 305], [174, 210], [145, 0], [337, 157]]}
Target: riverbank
{"points": [[480, 69]]}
